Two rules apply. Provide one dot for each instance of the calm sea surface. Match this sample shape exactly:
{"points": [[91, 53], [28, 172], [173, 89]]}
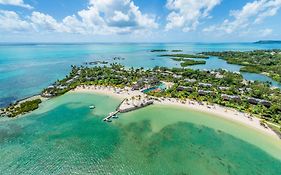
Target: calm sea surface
{"points": [[25, 69], [65, 137]]}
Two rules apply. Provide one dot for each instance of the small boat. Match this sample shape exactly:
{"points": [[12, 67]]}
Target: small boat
{"points": [[92, 107], [115, 116]]}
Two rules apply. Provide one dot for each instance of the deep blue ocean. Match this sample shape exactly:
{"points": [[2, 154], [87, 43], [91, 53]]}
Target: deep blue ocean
{"points": [[25, 69]]}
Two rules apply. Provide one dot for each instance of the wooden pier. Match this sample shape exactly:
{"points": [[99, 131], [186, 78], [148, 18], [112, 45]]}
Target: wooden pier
{"points": [[110, 115], [126, 106]]}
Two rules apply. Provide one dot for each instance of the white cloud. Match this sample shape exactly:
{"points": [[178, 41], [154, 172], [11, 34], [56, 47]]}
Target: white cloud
{"points": [[43, 22], [11, 22], [119, 16], [186, 14], [116, 16], [266, 32], [109, 17], [251, 13], [100, 17], [19, 3]]}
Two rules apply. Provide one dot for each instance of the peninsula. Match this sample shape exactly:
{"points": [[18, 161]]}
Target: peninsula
{"points": [[225, 89], [268, 42], [267, 62]]}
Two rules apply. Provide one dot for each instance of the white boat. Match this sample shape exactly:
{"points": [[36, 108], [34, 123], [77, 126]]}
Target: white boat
{"points": [[92, 107], [115, 116]]}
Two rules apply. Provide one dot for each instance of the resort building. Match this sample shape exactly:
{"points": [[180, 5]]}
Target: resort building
{"points": [[47, 95], [205, 85], [256, 101], [146, 82], [184, 88], [253, 101], [137, 86], [61, 87], [51, 87], [217, 74], [177, 76], [89, 79], [265, 103], [190, 80], [164, 74], [169, 72], [231, 97], [202, 92], [223, 88], [2, 113]]}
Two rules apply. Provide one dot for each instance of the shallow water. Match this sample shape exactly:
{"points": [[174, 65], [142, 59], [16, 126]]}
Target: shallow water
{"points": [[65, 137], [25, 69]]}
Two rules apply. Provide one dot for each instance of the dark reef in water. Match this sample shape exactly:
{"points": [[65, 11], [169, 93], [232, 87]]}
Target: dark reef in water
{"points": [[177, 147]]}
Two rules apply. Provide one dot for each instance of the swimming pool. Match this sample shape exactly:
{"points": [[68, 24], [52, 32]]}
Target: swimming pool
{"points": [[160, 87]]}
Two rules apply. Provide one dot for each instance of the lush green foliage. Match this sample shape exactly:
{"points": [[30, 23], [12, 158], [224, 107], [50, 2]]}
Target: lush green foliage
{"points": [[178, 50], [159, 50], [188, 62], [251, 69], [116, 75], [184, 56], [259, 61], [268, 42], [23, 107], [164, 50]]}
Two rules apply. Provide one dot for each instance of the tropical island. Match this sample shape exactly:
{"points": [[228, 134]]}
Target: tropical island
{"points": [[220, 87], [267, 62], [177, 50], [95, 62], [178, 55], [164, 50], [268, 42], [21, 107], [159, 50], [186, 59], [184, 62]]}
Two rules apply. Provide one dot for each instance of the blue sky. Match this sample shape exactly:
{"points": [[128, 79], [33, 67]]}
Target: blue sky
{"points": [[139, 20]]}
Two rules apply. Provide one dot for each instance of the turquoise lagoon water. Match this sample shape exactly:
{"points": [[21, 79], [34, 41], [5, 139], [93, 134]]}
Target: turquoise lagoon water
{"points": [[161, 87], [25, 69], [65, 137]]}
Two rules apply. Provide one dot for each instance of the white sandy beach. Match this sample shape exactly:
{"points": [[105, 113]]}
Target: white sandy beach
{"points": [[216, 110]]}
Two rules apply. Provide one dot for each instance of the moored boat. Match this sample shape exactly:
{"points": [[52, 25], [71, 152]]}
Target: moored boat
{"points": [[92, 107], [115, 117]]}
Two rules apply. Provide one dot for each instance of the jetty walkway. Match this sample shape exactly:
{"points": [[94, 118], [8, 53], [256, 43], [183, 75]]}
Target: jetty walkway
{"points": [[128, 105], [110, 115]]}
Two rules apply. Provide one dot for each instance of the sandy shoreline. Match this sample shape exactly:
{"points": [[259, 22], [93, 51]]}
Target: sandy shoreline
{"points": [[216, 110]]}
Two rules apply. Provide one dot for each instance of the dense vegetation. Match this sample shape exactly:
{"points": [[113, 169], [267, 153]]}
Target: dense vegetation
{"points": [[198, 85], [22, 108], [164, 50], [268, 42], [188, 62], [259, 61], [159, 50], [177, 50], [185, 56]]}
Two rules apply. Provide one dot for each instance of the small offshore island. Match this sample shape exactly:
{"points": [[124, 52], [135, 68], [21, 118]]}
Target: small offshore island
{"points": [[210, 88]]}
